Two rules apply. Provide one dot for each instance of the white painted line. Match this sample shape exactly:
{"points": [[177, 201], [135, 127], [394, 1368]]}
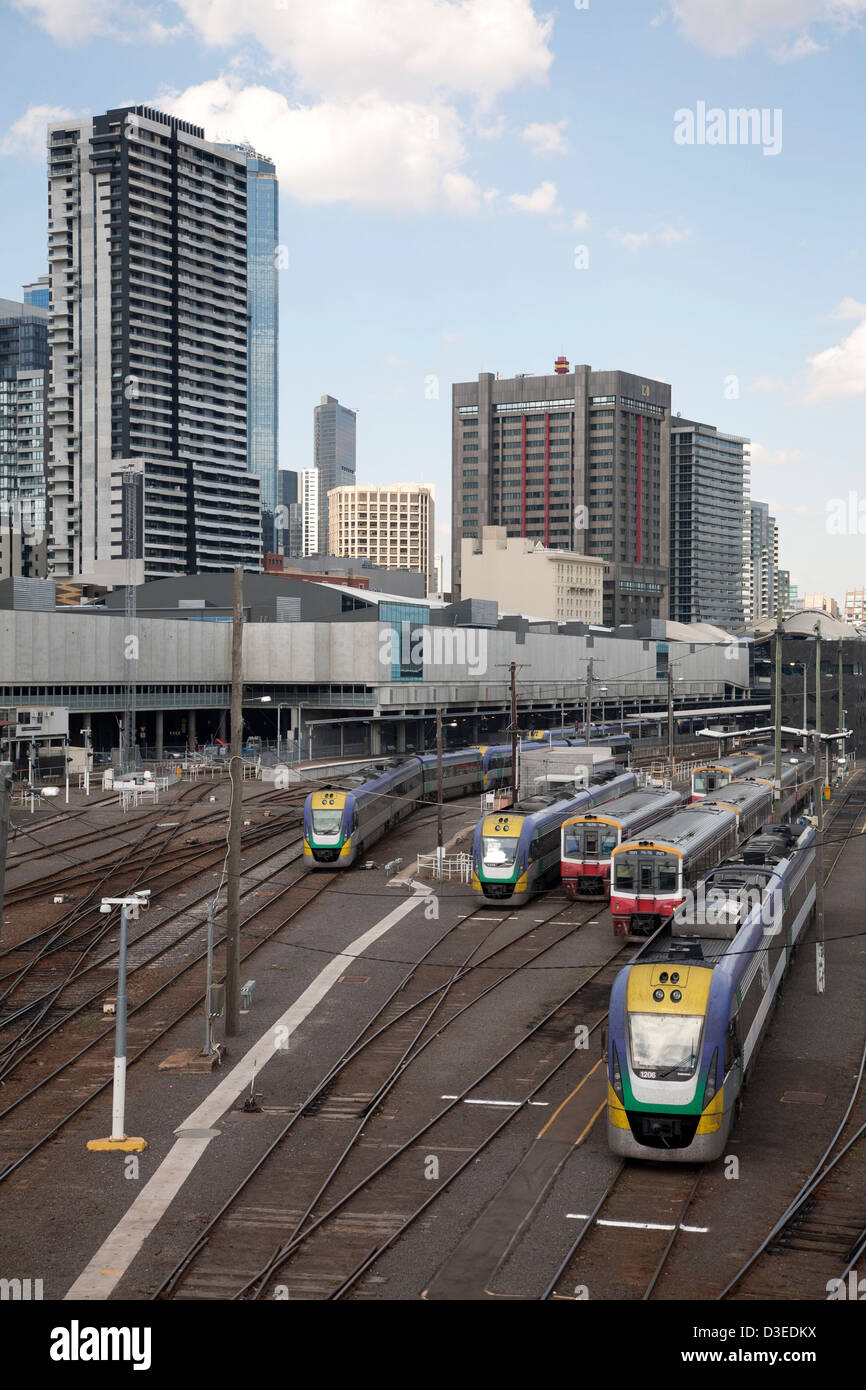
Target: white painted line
{"points": [[117, 1252], [513, 1103], [637, 1225]]}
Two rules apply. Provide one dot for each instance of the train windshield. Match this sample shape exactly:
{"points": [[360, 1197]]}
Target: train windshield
{"points": [[590, 841], [646, 871], [703, 782], [327, 822], [499, 850], [666, 1045]]}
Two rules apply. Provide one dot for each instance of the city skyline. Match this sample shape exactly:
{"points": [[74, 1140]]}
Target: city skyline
{"points": [[420, 272]]}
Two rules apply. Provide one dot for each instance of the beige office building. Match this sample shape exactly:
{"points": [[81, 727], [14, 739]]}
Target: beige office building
{"points": [[391, 524], [822, 601], [855, 606], [525, 577]]}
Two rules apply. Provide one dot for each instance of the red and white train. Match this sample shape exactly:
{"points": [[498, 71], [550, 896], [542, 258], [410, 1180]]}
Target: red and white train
{"points": [[589, 840]]}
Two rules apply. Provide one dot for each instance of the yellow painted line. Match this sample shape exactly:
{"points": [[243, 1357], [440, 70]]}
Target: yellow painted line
{"points": [[571, 1097]]}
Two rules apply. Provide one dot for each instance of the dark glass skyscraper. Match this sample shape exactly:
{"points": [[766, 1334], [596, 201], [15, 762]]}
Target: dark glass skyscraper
{"points": [[263, 235], [709, 482], [334, 455]]}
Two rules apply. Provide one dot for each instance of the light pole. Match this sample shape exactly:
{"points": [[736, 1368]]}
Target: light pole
{"points": [[805, 666], [129, 907]]}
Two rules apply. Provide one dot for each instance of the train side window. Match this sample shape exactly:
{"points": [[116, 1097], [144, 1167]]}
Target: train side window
{"points": [[732, 1047]]}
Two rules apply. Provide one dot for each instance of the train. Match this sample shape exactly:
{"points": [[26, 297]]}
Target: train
{"points": [[587, 841], [798, 771], [687, 1015], [340, 823], [516, 851], [708, 777]]}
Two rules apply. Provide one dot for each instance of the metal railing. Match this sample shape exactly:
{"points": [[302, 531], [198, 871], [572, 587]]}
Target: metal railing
{"points": [[453, 867]]}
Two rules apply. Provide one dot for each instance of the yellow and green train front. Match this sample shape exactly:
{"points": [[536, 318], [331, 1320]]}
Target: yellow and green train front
{"points": [[665, 1095], [328, 819], [499, 858]]}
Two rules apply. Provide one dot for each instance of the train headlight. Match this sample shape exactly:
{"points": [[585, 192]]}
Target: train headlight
{"points": [[616, 1074], [676, 995], [658, 995], [710, 1088]]}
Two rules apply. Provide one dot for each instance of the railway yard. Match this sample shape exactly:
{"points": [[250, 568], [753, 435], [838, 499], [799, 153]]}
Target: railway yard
{"points": [[415, 1107]]}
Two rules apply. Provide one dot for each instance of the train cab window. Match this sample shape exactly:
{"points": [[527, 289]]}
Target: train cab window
{"points": [[668, 874], [591, 841], [572, 840], [665, 1045], [700, 782], [645, 875], [499, 850], [732, 1047], [624, 873], [327, 821], [608, 844]]}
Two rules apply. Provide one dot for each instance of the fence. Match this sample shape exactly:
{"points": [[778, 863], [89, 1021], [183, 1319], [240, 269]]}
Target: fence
{"points": [[454, 867]]}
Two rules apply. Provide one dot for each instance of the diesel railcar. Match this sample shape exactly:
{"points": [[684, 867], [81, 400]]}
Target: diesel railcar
{"points": [[710, 776], [687, 1015], [751, 802], [589, 840], [341, 822], [650, 877], [516, 852], [798, 772]]}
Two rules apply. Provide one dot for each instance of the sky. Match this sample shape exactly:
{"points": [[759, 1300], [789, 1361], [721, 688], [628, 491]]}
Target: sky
{"points": [[481, 185]]}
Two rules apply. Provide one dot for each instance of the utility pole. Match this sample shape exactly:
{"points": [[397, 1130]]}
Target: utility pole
{"points": [[819, 763], [236, 811], [777, 772], [841, 713], [671, 767], [589, 675], [118, 1139], [439, 837], [515, 736], [819, 868], [5, 806]]}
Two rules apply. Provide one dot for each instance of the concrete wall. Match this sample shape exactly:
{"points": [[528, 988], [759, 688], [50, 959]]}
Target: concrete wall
{"points": [[83, 649]]}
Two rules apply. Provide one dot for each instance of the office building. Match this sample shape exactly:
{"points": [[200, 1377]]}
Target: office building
{"points": [[149, 346], [709, 484], [38, 292], [263, 235], [393, 525], [289, 529], [523, 576], [760, 562], [334, 431], [311, 496], [855, 606], [578, 460], [23, 396]]}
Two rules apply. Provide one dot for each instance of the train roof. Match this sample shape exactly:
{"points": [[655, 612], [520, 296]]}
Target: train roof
{"points": [[739, 794], [737, 762], [687, 829], [628, 806]]}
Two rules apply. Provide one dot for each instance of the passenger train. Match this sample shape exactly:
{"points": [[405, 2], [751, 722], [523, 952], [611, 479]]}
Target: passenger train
{"points": [[798, 772], [341, 822], [589, 840], [687, 1015], [516, 851], [710, 776]]}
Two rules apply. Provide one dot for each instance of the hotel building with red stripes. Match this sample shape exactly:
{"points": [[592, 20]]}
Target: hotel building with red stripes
{"points": [[579, 460]]}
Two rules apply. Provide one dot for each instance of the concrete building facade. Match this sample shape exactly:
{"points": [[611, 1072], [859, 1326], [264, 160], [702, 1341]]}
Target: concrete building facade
{"points": [[579, 460], [825, 602], [311, 501], [149, 347], [760, 562], [855, 606], [393, 524], [524, 577]]}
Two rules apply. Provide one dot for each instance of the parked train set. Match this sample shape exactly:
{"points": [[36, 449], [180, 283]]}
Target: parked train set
{"points": [[687, 1015], [341, 822]]}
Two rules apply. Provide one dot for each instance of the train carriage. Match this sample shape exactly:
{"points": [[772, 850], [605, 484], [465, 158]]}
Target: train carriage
{"points": [[709, 777], [516, 851], [650, 877], [687, 1015], [797, 777], [751, 802], [589, 840]]}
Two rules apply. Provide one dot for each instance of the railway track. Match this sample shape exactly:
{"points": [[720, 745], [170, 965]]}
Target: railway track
{"points": [[320, 1193]]}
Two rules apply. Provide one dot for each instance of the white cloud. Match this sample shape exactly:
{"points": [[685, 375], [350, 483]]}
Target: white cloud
{"points": [[368, 151], [540, 201], [849, 309], [634, 241], [839, 372], [546, 137], [580, 222], [29, 134], [410, 48], [774, 458], [782, 25], [75, 21]]}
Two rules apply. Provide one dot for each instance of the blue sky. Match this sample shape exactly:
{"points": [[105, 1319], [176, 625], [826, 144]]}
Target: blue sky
{"points": [[440, 163]]}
